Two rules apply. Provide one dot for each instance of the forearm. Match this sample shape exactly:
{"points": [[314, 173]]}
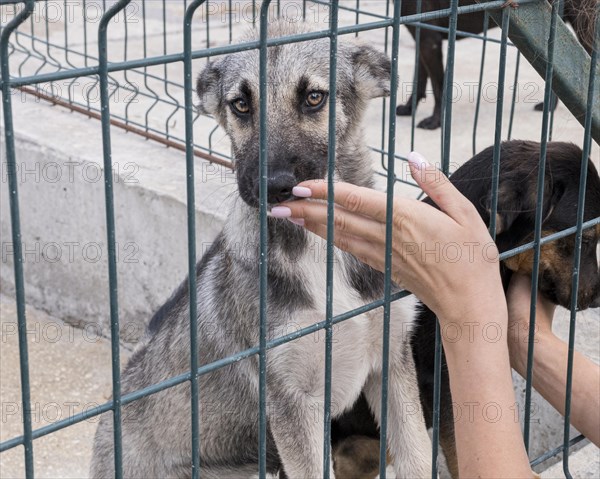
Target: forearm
{"points": [[489, 441], [549, 379]]}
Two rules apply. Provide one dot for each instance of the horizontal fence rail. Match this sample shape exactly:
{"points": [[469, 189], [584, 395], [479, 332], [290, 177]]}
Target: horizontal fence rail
{"points": [[157, 80]]}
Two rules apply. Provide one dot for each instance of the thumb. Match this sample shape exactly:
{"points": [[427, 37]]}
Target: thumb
{"points": [[438, 187]]}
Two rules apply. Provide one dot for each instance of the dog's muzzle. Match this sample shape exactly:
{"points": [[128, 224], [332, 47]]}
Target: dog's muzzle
{"points": [[279, 187]]}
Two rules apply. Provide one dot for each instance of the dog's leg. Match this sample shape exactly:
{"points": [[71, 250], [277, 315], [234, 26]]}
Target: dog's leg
{"points": [[407, 108], [447, 440], [408, 441], [448, 444], [297, 426], [553, 103], [431, 56], [295, 406]]}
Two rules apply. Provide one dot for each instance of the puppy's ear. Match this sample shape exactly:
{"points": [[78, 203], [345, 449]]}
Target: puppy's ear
{"points": [[513, 201], [372, 71], [208, 89], [509, 208]]}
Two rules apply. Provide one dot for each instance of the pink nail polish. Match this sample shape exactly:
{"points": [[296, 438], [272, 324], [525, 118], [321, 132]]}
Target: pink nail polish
{"points": [[301, 192], [281, 212], [418, 160], [297, 221]]}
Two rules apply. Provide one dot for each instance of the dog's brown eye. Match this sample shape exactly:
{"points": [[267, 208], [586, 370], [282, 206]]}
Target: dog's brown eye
{"points": [[240, 106], [315, 99]]}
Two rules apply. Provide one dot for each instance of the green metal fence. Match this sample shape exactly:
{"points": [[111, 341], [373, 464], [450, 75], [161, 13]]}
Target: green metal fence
{"points": [[148, 99], [156, 100]]}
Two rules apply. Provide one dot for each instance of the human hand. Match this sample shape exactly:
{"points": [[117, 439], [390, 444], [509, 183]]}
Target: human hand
{"points": [[445, 257], [448, 260], [550, 359], [518, 298]]}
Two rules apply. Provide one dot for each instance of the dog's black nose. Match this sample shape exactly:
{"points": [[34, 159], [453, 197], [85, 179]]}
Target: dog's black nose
{"points": [[280, 186]]}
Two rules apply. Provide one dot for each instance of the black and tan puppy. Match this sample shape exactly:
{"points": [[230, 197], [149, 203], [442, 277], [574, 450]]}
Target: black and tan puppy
{"points": [[515, 226], [580, 14]]}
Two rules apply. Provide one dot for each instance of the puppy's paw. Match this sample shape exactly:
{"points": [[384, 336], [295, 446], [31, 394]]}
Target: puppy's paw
{"points": [[430, 123], [553, 104]]}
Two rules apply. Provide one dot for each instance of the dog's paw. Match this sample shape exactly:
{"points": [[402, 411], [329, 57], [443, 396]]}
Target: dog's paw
{"points": [[404, 110], [430, 123], [553, 104]]}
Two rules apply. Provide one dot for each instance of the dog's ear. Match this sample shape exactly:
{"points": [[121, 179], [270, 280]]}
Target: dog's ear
{"points": [[207, 88], [372, 71], [514, 201]]}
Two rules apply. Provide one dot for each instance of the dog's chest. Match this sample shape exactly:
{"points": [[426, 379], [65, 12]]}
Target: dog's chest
{"points": [[364, 331], [311, 271]]}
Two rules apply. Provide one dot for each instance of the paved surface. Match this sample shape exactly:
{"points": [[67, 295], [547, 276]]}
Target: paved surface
{"points": [[584, 464], [69, 373]]}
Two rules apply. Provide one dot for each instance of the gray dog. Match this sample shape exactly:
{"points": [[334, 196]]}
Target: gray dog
{"points": [[156, 429]]}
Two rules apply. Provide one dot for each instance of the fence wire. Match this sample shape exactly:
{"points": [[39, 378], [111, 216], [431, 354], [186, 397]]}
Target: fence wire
{"points": [[147, 88]]}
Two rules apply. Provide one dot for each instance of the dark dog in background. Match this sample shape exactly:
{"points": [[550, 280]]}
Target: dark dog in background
{"points": [[515, 226], [580, 14]]}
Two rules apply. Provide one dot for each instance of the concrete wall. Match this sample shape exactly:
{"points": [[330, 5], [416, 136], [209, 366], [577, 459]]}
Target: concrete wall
{"points": [[61, 193]]}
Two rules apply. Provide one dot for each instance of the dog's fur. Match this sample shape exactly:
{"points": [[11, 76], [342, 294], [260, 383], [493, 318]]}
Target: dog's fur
{"points": [[156, 430], [580, 14], [515, 224]]}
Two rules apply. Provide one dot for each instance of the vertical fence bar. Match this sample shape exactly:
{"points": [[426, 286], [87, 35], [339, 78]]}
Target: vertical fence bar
{"points": [[587, 144], [333, 40], [15, 222], [391, 177], [191, 225], [262, 263], [486, 20], [514, 96], [448, 83], [538, 221], [110, 228], [498, 131], [384, 100], [553, 97], [445, 166], [414, 99], [357, 16]]}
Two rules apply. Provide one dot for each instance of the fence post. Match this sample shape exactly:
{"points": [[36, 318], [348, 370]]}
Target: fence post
{"points": [[15, 222], [110, 229], [191, 224]]}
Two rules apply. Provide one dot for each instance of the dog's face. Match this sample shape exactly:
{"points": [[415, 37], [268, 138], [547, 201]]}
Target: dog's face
{"points": [[516, 216], [298, 102]]}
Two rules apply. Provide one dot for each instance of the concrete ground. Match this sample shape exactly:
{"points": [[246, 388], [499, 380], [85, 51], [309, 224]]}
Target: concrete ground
{"points": [[70, 372]]}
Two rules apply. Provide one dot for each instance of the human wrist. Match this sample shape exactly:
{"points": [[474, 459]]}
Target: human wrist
{"points": [[481, 302], [518, 344], [476, 331]]}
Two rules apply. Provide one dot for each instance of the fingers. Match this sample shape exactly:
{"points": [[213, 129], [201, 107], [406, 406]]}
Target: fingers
{"points": [[438, 187], [344, 221], [519, 300], [355, 199], [362, 249]]}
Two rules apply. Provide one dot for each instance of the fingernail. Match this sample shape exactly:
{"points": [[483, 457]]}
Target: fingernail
{"points": [[301, 192], [418, 160], [297, 221], [281, 212]]}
